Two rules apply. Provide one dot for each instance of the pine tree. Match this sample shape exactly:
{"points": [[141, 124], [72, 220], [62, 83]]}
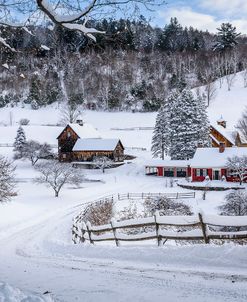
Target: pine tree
{"points": [[184, 126], [204, 125], [20, 141], [159, 146], [161, 135], [226, 37]]}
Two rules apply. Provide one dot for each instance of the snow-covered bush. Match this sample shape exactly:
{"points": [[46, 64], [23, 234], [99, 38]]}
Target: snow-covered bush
{"points": [[165, 206], [6, 179], [24, 121], [99, 213]]}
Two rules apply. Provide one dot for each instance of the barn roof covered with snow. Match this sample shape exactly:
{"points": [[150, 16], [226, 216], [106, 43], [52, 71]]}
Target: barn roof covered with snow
{"points": [[212, 158], [229, 134], [83, 131], [98, 144]]}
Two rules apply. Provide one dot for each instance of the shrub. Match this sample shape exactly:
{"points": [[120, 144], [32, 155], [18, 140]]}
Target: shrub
{"points": [[24, 121], [99, 213], [166, 206]]}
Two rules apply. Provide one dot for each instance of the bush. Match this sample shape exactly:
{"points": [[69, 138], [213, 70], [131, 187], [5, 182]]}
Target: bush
{"points": [[24, 121], [99, 213], [166, 206]]}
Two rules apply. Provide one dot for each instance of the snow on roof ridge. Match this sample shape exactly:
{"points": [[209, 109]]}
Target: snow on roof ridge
{"points": [[85, 131]]}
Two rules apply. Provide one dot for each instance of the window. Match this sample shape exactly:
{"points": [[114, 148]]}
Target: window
{"points": [[68, 134], [201, 172], [168, 172], [181, 172], [64, 156]]}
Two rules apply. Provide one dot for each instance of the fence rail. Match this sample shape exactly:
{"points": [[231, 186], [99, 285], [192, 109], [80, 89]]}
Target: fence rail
{"points": [[200, 228], [147, 195]]}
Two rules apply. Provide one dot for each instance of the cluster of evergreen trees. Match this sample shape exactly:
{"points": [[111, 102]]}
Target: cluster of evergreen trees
{"points": [[181, 126]]}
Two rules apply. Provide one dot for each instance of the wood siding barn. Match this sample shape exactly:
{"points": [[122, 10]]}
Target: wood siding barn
{"points": [[75, 144]]}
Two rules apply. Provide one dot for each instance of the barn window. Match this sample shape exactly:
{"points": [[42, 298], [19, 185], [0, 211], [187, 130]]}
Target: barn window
{"points": [[68, 134], [64, 156]]}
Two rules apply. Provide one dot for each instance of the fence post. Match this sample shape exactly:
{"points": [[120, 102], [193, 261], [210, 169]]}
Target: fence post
{"points": [[114, 232], [118, 196], [177, 195], [203, 226], [156, 215], [142, 195], [88, 224]]}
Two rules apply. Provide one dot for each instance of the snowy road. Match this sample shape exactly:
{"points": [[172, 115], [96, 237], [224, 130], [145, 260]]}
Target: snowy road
{"points": [[36, 257]]}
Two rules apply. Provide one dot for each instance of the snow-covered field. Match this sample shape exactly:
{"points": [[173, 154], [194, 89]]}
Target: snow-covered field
{"points": [[37, 254]]}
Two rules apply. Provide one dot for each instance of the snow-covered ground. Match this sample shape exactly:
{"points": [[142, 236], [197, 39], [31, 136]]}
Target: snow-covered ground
{"points": [[37, 254]]}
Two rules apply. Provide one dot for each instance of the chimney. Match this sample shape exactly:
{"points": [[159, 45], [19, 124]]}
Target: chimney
{"points": [[79, 122], [222, 147], [221, 122]]}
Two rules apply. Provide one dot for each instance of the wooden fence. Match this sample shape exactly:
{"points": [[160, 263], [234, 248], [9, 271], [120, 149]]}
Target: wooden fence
{"points": [[149, 195], [201, 228], [132, 196]]}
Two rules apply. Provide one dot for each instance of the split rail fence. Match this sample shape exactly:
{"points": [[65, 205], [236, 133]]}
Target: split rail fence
{"points": [[201, 228]]}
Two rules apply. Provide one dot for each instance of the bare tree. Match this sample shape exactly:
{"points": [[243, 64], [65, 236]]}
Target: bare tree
{"points": [[242, 124], [72, 15], [236, 204], [56, 175], [34, 151], [238, 167], [70, 113], [210, 92], [102, 162], [244, 75], [6, 179]]}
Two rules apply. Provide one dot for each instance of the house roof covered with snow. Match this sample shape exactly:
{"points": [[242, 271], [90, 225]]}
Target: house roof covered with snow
{"points": [[212, 158], [167, 163], [84, 131], [229, 134], [97, 144]]}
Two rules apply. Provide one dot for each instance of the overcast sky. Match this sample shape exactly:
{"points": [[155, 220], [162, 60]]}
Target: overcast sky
{"points": [[204, 14]]}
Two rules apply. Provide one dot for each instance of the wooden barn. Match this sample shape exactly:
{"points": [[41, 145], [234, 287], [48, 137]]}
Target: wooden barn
{"points": [[82, 142], [219, 133]]}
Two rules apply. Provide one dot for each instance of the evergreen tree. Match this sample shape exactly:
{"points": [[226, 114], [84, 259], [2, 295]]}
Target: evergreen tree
{"points": [[161, 135], [226, 37], [204, 125], [183, 127], [20, 140], [159, 147], [35, 96]]}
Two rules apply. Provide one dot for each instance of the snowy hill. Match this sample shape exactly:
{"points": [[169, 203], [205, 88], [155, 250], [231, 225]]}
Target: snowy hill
{"points": [[229, 104]]}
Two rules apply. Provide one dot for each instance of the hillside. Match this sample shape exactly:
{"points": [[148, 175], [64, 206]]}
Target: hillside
{"points": [[229, 104]]}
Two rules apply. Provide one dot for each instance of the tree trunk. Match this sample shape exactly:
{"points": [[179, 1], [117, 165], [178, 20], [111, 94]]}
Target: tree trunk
{"points": [[56, 193]]}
